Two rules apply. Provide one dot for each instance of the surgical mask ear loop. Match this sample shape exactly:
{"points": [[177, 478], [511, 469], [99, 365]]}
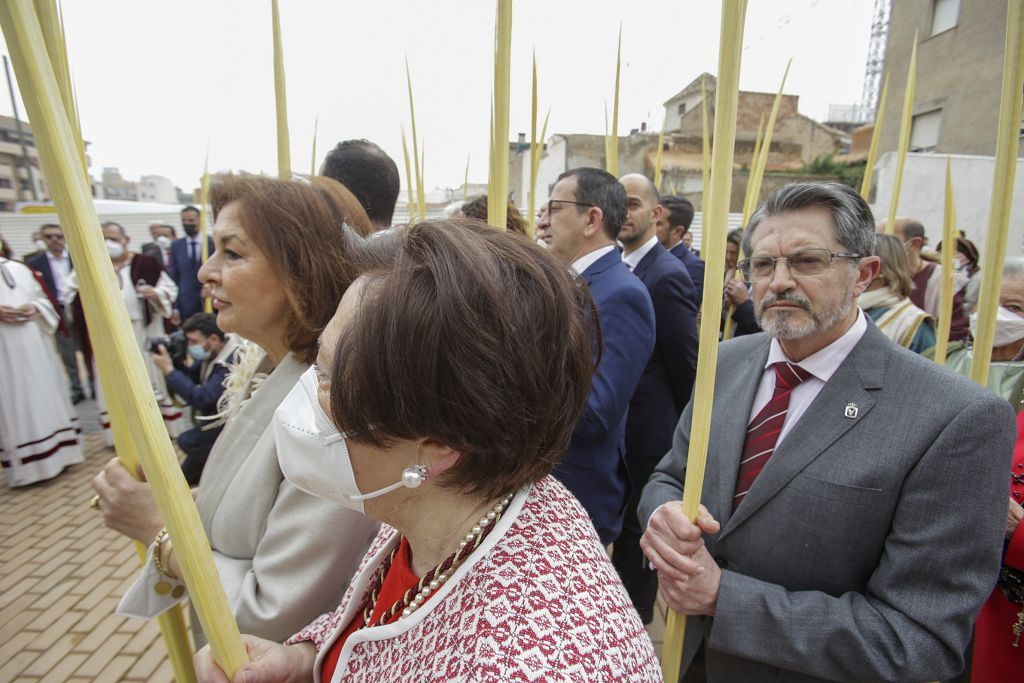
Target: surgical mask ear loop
{"points": [[412, 477]]}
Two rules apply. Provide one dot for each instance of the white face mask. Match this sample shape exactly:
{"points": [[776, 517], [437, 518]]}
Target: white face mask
{"points": [[115, 249], [40, 245], [164, 242], [313, 455], [1009, 327]]}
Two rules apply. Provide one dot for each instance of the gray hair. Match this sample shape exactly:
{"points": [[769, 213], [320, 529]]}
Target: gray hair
{"points": [[851, 216], [1013, 266]]}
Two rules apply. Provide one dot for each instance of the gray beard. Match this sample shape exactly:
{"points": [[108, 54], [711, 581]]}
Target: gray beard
{"points": [[781, 325]]}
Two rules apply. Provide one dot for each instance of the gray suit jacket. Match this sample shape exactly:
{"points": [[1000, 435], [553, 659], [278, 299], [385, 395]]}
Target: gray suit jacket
{"points": [[867, 545]]}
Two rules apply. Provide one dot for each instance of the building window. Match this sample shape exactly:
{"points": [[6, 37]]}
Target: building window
{"points": [[944, 14], [924, 131], [5, 183], [681, 109]]}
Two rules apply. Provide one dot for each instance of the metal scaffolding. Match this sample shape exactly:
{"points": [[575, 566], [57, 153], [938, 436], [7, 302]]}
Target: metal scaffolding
{"points": [[875, 64]]}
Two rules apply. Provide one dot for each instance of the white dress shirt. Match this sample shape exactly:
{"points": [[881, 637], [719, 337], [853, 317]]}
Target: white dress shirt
{"points": [[633, 259], [821, 364], [60, 266], [587, 260]]}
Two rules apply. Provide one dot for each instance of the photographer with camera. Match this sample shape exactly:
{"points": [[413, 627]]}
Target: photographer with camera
{"points": [[200, 383]]}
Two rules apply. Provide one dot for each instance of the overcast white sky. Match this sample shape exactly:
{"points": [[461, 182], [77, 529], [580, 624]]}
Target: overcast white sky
{"points": [[156, 81]]}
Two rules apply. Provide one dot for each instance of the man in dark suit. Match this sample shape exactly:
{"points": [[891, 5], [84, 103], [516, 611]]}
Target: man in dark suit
{"points": [[850, 530], [672, 225], [369, 174], [186, 257], [55, 266], [667, 380], [579, 225]]}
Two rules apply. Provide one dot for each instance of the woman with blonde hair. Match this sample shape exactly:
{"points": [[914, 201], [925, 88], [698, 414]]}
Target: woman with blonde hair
{"points": [[887, 299], [283, 260]]}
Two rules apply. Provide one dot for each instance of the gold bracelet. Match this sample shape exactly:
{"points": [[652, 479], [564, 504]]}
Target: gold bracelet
{"points": [[163, 539]]}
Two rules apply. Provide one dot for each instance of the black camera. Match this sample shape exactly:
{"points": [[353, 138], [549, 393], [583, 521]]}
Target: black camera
{"points": [[175, 343]]}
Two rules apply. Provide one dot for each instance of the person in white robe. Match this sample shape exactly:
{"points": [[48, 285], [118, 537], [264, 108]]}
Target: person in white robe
{"points": [[149, 295], [39, 431]]}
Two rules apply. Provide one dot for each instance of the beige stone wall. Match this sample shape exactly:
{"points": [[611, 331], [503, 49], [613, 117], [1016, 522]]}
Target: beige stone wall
{"points": [[959, 70], [861, 141], [797, 139]]}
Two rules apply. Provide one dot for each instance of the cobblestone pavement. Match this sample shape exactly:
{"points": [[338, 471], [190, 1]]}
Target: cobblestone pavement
{"points": [[62, 572]]}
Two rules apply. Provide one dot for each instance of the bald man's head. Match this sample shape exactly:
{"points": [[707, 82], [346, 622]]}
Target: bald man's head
{"points": [[904, 228], [642, 211], [644, 182], [911, 233]]}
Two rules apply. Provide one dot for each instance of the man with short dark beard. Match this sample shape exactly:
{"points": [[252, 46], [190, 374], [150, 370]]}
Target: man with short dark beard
{"points": [[849, 529]]}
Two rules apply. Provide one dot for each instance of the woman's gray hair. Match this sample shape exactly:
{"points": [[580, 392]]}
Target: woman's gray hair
{"points": [[851, 216], [1013, 266]]}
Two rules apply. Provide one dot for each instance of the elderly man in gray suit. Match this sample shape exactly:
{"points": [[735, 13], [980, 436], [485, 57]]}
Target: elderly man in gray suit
{"points": [[854, 502]]}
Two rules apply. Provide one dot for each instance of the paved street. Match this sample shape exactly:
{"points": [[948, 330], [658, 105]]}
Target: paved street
{"points": [[61, 575]]}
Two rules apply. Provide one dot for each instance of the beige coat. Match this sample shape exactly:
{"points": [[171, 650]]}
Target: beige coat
{"points": [[284, 556]]}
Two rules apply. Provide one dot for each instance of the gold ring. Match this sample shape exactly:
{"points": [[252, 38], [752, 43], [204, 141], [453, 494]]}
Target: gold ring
{"points": [[95, 502]]}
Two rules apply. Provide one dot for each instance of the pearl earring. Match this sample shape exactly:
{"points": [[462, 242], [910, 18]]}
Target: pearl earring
{"points": [[413, 476]]}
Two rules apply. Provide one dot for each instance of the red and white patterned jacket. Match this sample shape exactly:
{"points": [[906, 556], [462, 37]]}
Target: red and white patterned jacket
{"points": [[538, 601]]}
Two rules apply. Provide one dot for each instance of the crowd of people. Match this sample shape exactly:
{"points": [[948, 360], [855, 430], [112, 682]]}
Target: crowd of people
{"points": [[442, 451]]}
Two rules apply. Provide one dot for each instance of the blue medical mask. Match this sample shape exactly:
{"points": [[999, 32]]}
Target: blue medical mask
{"points": [[197, 352]]}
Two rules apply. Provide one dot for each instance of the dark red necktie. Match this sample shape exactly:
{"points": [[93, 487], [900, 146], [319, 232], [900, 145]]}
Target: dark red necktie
{"points": [[763, 432]]}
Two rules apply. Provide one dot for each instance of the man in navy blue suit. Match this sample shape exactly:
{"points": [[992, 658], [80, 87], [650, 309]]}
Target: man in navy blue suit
{"points": [[579, 224], [672, 224], [667, 380], [186, 257]]}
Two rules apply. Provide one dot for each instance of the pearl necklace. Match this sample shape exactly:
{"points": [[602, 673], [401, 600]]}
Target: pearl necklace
{"points": [[433, 579], [466, 546]]}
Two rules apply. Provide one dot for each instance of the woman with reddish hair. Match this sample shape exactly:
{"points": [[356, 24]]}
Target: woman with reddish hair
{"points": [[284, 258]]}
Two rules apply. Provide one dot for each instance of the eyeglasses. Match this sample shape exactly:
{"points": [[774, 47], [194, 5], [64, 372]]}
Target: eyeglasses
{"points": [[53, 236], [550, 206], [803, 263]]}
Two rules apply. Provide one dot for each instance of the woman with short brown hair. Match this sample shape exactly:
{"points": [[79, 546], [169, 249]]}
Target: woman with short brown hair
{"points": [[446, 388], [284, 258]]}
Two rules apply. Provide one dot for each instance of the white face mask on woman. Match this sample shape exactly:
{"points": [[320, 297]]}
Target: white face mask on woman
{"points": [[1009, 327], [313, 455], [115, 249]]}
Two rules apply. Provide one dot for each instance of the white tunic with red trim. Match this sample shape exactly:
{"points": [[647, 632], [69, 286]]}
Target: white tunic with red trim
{"points": [[538, 601], [38, 428], [161, 308]]}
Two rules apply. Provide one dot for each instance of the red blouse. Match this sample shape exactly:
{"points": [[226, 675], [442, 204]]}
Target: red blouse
{"points": [[397, 581]]}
